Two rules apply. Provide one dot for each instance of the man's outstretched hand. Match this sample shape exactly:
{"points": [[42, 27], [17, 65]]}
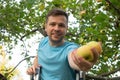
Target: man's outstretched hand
{"points": [[83, 64]]}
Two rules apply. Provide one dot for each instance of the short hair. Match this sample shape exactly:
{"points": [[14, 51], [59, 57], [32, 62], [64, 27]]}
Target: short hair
{"points": [[56, 12]]}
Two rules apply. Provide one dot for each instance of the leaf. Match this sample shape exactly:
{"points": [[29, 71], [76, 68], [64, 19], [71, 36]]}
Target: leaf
{"points": [[100, 17]]}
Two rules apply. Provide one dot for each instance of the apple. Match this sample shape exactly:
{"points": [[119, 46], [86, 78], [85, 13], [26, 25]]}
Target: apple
{"points": [[105, 58], [94, 44], [85, 52]]}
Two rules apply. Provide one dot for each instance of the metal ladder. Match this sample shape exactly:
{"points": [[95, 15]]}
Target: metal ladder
{"points": [[80, 75], [37, 75]]}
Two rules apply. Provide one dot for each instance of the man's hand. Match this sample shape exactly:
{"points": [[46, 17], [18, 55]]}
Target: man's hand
{"points": [[32, 70], [79, 63]]}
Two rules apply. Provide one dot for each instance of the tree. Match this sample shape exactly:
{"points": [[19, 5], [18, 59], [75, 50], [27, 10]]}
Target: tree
{"points": [[6, 70], [97, 20]]}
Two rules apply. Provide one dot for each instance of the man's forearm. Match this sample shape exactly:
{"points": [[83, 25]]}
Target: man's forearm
{"points": [[35, 62]]}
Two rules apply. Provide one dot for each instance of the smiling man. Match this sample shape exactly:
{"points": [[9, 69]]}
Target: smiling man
{"points": [[54, 50]]}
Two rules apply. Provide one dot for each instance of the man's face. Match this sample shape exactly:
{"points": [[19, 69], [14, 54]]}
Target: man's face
{"points": [[56, 28]]}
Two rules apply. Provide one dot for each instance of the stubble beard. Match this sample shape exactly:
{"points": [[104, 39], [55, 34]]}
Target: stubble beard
{"points": [[59, 41]]}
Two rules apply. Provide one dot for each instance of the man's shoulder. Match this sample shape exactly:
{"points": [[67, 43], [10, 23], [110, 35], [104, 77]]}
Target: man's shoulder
{"points": [[71, 43], [43, 41]]}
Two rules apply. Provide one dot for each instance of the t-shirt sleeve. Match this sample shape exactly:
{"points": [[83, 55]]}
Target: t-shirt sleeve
{"points": [[72, 47]]}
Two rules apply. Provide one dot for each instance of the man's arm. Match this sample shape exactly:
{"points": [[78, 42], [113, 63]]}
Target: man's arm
{"points": [[79, 63]]}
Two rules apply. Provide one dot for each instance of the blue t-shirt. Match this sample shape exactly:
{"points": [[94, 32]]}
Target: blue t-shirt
{"points": [[54, 60]]}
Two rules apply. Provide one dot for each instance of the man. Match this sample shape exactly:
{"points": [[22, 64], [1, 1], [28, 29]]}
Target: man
{"points": [[54, 50]]}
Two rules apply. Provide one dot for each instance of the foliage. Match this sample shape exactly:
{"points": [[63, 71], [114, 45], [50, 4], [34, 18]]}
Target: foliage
{"points": [[97, 20], [5, 68]]}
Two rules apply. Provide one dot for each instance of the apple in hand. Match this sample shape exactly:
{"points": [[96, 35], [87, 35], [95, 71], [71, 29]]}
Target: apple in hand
{"points": [[96, 45], [85, 52]]}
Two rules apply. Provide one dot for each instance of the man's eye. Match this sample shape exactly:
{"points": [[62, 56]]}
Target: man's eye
{"points": [[52, 24], [61, 25]]}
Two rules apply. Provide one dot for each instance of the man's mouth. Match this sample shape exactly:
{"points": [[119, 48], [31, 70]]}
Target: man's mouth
{"points": [[56, 34]]}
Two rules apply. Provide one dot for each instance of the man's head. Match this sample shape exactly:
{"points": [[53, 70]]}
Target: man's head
{"points": [[57, 12], [56, 26]]}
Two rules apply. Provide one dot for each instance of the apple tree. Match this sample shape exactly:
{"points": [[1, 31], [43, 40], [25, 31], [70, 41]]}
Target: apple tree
{"points": [[95, 20]]}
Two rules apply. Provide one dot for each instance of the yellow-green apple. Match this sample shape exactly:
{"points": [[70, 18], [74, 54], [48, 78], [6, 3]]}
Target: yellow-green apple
{"points": [[94, 44], [85, 52]]}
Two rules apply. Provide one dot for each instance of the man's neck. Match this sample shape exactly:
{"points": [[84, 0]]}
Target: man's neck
{"points": [[56, 44]]}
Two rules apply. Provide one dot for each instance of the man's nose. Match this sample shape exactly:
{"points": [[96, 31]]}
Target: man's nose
{"points": [[57, 27]]}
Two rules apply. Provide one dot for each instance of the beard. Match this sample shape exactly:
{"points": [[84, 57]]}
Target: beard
{"points": [[59, 40]]}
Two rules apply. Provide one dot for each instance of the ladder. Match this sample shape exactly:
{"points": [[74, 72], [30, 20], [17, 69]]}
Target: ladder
{"points": [[80, 75]]}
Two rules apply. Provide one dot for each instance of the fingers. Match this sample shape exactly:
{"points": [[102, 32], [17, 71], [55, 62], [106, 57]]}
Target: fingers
{"points": [[83, 64], [32, 70], [95, 55], [75, 59]]}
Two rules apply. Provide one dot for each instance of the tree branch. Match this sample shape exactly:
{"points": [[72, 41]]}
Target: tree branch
{"points": [[19, 63], [118, 10], [112, 72], [41, 30], [101, 77], [29, 33], [104, 76]]}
